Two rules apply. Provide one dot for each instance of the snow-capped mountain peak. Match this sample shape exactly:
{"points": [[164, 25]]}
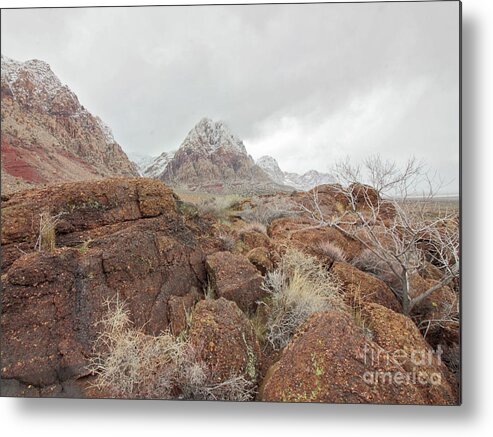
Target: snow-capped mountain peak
{"points": [[271, 167], [45, 84], [38, 71], [303, 182], [157, 167], [208, 136], [48, 131]]}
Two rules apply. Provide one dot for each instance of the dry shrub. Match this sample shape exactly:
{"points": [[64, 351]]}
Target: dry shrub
{"points": [[333, 251], [268, 209], [219, 207], [369, 262], [299, 287], [255, 227], [137, 365], [47, 232], [228, 241], [209, 292], [259, 322]]}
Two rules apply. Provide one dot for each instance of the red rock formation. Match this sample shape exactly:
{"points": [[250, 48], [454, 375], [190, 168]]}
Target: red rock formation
{"points": [[47, 135], [212, 159], [118, 237], [235, 278]]}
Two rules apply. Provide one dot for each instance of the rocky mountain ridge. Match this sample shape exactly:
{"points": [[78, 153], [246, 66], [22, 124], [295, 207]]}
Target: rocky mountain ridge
{"points": [[47, 135], [157, 167], [211, 158], [213, 141], [303, 182]]}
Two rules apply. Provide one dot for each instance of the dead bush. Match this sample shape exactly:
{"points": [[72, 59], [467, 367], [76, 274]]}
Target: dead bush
{"points": [[255, 227], [133, 364], [219, 207], [228, 241], [299, 287], [332, 250], [46, 241], [266, 210]]}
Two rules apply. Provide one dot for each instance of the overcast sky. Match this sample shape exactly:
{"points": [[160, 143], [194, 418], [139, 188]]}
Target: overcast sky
{"points": [[307, 84]]}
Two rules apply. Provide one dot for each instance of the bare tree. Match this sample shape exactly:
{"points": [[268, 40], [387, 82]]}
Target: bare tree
{"points": [[399, 232], [384, 176]]}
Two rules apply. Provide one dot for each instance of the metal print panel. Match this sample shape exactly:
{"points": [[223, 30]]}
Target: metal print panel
{"points": [[232, 203]]}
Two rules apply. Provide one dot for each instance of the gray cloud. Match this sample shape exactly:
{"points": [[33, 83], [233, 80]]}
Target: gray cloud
{"points": [[307, 84]]}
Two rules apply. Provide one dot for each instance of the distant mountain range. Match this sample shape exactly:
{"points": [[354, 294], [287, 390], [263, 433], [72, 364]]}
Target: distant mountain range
{"points": [[302, 182], [212, 158], [47, 135]]}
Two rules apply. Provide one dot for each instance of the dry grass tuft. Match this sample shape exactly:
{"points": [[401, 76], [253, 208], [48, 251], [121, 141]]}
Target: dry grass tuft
{"points": [[255, 227], [46, 241], [219, 207], [269, 209], [228, 241], [368, 262], [333, 251], [209, 292], [299, 287], [138, 365]]}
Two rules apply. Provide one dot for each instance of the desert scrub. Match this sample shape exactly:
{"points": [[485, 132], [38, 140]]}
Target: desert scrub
{"points": [[209, 292], [219, 207], [266, 210], [137, 365], [46, 241], [254, 227], [332, 250], [299, 287], [227, 240]]}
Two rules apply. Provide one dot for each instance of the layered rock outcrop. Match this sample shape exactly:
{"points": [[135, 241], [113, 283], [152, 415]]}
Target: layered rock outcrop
{"points": [[120, 237], [47, 135]]}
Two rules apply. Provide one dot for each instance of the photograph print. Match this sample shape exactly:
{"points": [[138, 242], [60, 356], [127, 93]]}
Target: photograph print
{"points": [[245, 203]]}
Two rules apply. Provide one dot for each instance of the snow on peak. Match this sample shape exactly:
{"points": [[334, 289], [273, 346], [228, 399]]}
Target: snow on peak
{"points": [[46, 83], [142, 161], [308, 180], [35, 85], [271, 167], [303, 182], [107, 133], [157, 167], [209, 136]]}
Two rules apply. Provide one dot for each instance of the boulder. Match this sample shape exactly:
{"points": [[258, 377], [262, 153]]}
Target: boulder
{"points": [[446, 337], [439, 305], [235, 278], [330, 360], [364, 195], [225, 340], [180, 309], [360, 287], [314, 240], [251, 239], [52, 302], [81, 209], [327, 199], [310, 239], [398, 336], [430, 271], [261, 259]]}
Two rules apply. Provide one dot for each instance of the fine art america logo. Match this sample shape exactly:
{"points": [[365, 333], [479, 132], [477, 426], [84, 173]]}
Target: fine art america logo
{"points": [[416, 366]]}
